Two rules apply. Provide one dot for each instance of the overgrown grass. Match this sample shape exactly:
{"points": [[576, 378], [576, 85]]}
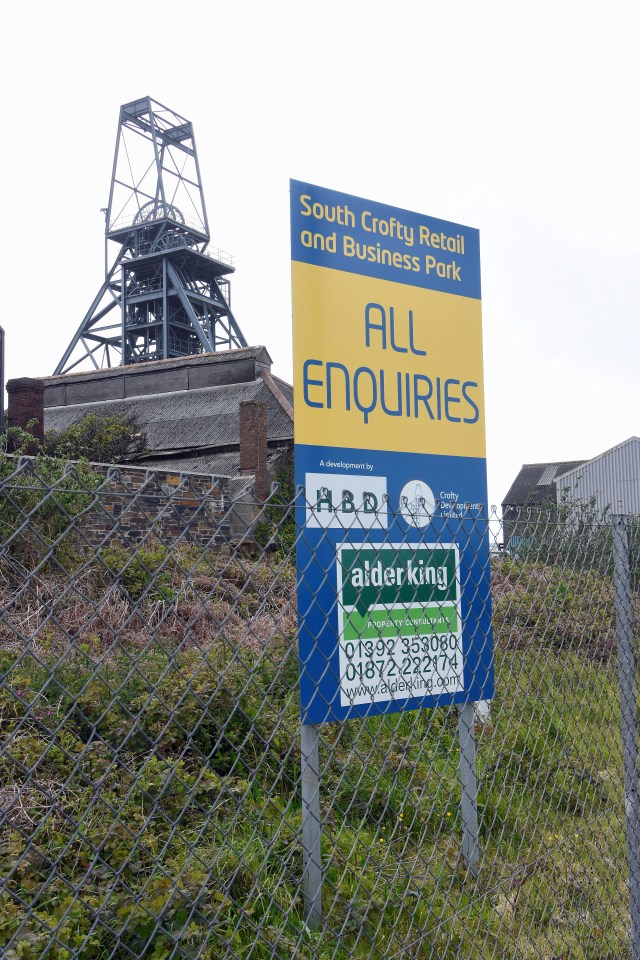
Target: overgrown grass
{"points": [[151, 786]]}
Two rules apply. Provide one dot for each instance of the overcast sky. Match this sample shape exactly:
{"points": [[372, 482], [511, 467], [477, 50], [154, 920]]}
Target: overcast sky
{"points": [[519, 119]]}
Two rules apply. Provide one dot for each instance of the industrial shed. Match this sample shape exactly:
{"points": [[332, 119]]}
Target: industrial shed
{"points": [[534, 487], [610, 482]]}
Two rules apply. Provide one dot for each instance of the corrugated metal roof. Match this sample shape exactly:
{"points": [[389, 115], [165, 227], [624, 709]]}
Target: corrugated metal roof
{"points": [[611, 481], [535, 483]]}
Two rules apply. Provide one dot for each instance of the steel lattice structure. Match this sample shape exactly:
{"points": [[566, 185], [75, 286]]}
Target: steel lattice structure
{"points": [[171, 291]]}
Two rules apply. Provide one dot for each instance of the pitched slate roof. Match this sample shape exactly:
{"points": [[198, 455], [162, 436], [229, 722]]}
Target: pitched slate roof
{"points": [[285, 388], [535, 483], [188, 408], [210, 462], [185, 420]]}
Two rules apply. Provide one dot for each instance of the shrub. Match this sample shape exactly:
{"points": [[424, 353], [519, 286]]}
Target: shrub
{"points": [[39, 500], [103, 439]]}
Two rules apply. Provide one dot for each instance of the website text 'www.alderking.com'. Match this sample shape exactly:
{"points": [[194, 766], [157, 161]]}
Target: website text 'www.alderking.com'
{"points": [[375, 679]]}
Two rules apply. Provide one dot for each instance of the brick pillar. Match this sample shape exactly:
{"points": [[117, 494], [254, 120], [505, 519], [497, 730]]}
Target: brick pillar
{"points": [[253, 444], [26, 402]]}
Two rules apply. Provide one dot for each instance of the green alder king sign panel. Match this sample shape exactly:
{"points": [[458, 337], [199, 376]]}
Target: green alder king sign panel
{"points": [[399, 621]]}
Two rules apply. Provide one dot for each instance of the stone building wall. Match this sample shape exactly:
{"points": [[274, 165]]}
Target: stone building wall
{"points": [[136, 504]]}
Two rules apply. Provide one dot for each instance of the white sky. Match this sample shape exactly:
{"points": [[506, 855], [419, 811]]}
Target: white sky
{"points": [[519, 119]]}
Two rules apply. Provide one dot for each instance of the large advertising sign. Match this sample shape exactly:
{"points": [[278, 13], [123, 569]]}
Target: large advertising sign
{"points": [[393, 553]]}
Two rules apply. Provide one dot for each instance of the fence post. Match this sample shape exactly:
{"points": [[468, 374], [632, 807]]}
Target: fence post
{"points": [[628, 718], [468, 787], [311, 832]]}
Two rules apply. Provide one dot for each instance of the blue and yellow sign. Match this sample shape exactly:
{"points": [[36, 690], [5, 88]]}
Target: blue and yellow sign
{"points": [[390, 451]]}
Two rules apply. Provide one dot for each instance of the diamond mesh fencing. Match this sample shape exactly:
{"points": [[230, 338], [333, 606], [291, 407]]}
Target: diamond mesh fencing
{"points": [[152, 770]]}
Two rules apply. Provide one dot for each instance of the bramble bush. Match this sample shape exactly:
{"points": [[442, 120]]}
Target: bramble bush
{"points": [[150, 781], [39, 499], [41, 496], [97, 437], [150, 763]]}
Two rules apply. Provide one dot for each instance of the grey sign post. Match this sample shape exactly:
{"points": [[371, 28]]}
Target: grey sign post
{"points": [[311, 829], [311, 824], [468, 787], [628, 718]]}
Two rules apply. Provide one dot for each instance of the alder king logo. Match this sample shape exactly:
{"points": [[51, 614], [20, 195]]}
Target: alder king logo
{"points": [[399, 622], [341, 500]]}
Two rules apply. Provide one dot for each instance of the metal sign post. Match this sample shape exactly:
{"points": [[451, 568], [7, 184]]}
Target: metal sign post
{"points": [[311, 828], [629, 718], [468, 787]]}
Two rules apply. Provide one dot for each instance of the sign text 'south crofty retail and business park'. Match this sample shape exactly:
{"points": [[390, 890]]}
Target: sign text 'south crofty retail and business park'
{"points": [[390, 450]]}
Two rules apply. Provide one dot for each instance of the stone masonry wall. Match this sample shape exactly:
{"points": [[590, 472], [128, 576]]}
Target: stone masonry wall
{"points": [[138, 504]]}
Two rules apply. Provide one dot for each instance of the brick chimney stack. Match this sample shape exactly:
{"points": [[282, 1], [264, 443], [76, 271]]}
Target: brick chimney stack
{"points": [[253, 445], [26, 403]]}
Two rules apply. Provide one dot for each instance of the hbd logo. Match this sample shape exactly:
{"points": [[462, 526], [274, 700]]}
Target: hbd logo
{"points": [[337, 500]]}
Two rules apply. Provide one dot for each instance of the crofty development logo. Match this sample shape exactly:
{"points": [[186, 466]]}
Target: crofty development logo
{"points": [[341, 500], [417, 503]]}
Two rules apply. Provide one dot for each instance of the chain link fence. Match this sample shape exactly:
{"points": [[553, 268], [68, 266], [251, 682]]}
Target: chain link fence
{"points": [[150, 761]]}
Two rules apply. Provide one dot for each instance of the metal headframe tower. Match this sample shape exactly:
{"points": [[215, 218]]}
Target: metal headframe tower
{"points": [[164, 293]]}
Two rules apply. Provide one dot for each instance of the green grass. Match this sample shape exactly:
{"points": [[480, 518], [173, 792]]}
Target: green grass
{"points": [[154, 811]]}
